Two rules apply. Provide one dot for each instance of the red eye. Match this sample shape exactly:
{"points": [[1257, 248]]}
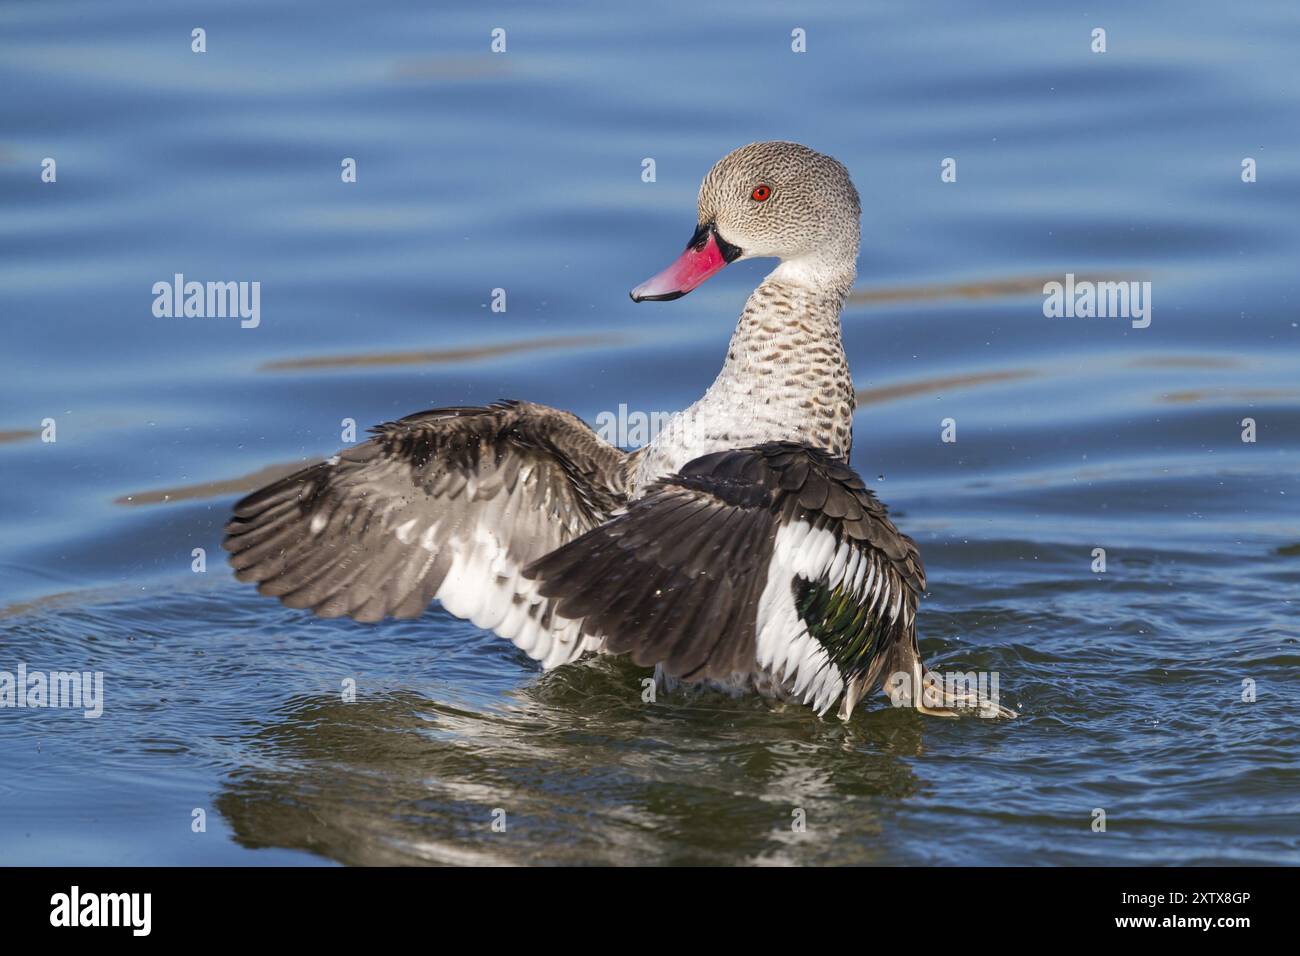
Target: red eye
{"points": [[761, 193]]}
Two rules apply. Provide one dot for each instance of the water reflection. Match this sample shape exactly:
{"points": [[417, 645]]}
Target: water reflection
{"points": [[213, 489], [585, 772], [979, 289], [442, 356]]}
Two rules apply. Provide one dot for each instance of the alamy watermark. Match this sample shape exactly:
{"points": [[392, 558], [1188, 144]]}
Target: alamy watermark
{"points": [[975, 691], [1086, 299], [62, 689], [631, 429], [130, 910], [209, 300]]}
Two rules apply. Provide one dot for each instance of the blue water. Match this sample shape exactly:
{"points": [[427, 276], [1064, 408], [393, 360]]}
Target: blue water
{"points": [[522, 171]]}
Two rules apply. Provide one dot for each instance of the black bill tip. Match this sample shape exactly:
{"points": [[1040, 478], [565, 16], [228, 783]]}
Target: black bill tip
{"points": [[665, 297]]}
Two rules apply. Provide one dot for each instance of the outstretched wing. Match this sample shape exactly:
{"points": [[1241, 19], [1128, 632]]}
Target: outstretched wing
{"points": [[775, 558], [449, 504]]}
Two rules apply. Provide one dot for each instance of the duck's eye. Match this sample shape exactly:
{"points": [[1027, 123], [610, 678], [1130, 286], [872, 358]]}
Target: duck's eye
{"points": [[761, 193]]}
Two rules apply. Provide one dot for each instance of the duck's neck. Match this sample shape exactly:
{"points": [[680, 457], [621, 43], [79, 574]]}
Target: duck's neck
{"points": [[785, 377]]}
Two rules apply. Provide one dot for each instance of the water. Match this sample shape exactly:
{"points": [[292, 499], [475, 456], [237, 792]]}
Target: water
{"points": [[522, 171]]}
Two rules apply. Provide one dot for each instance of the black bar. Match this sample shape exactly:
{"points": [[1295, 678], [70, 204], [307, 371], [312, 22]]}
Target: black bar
{"points": [[939, 907]]}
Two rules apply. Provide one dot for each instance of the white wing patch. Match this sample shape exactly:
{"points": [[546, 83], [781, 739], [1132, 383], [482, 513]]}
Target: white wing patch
{"points": [[485, 586], [785, 648]]}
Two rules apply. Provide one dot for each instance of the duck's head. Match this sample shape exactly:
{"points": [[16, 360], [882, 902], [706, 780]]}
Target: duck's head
{"points": [[771, 199]]}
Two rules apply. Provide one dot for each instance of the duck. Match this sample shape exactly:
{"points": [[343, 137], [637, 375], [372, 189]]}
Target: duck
{"points": [[737, 550]]}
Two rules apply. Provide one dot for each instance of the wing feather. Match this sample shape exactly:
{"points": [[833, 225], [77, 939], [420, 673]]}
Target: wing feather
{"points": [[449, 504], [702, 574]]}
